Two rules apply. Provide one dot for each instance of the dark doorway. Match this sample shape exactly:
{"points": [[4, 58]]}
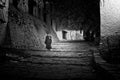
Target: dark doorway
{"points": [[64, 34]]}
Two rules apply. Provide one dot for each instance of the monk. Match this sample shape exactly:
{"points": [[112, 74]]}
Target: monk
{"points": [[48, 42]]}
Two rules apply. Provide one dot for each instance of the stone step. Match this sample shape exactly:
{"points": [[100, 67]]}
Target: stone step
{"points": [[48, 71], [54, 60], [111, 68], [47, 57], [72, 54], [68, 45], [71, 47], [60, 53]]}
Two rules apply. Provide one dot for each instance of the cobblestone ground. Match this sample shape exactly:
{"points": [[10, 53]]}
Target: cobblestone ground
{"points": [[64, 61]]}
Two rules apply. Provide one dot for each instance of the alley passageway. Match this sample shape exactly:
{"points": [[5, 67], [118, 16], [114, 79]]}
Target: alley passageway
{"points": [[67, 60], [75, 29]]}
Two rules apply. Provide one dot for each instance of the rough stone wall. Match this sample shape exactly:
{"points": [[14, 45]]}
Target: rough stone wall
{"points": [[23, 32], [110, 17], [110, 25], [4, 17], [25, 37], [23, 5], [43, 29]]}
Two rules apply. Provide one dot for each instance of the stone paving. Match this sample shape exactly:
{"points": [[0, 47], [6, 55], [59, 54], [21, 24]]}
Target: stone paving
{"points": [[59, 64], [113, 69]]}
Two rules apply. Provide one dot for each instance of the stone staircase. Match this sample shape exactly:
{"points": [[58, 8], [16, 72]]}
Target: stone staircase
{"points": [[113, 69], [70, 46], [62, 62], [68, 53]]}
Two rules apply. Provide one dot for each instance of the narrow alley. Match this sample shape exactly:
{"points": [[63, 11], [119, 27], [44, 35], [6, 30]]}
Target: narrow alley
{"points": [[60, 39]]}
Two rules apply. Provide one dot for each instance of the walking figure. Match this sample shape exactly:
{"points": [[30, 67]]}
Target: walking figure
{"points": [[48, 42]]}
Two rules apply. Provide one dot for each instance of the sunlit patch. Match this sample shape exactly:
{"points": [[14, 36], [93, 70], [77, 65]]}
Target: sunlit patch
{"points": [[59, 34], [70, 35]]}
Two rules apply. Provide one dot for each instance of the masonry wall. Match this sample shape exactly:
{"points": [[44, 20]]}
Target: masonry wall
{"points": [[110, 17], [23, 31], [25, 36], [110, 27], [3, 16]]}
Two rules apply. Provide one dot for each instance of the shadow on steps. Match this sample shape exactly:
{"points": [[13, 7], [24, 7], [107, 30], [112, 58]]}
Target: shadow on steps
{"points": [[101, 73]]}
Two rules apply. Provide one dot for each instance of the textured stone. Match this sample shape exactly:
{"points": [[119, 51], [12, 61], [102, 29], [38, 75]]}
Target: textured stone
{"points": [[3, 17], [23, 5], [23, 31], [27, 32], [110, 17]]}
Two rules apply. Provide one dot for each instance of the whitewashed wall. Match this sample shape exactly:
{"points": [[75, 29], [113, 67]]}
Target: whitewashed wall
{"points": [[110, 17]]}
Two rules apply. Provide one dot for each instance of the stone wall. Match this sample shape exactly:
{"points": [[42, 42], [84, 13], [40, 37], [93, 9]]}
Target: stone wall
{"points": [[110, 17], [110, 30], [23, 32], [3, 20], [110, 21], [28, 32]]}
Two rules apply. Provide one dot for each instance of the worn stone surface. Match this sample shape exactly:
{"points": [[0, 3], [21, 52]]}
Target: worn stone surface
{"points": [[27, 32], [113, 69], [23, 31], [59, 65], [50, 64], [110, 30], [110, 18]]}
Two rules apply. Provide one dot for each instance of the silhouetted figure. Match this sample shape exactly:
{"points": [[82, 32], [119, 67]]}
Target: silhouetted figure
{"points": [[48, 42]]}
